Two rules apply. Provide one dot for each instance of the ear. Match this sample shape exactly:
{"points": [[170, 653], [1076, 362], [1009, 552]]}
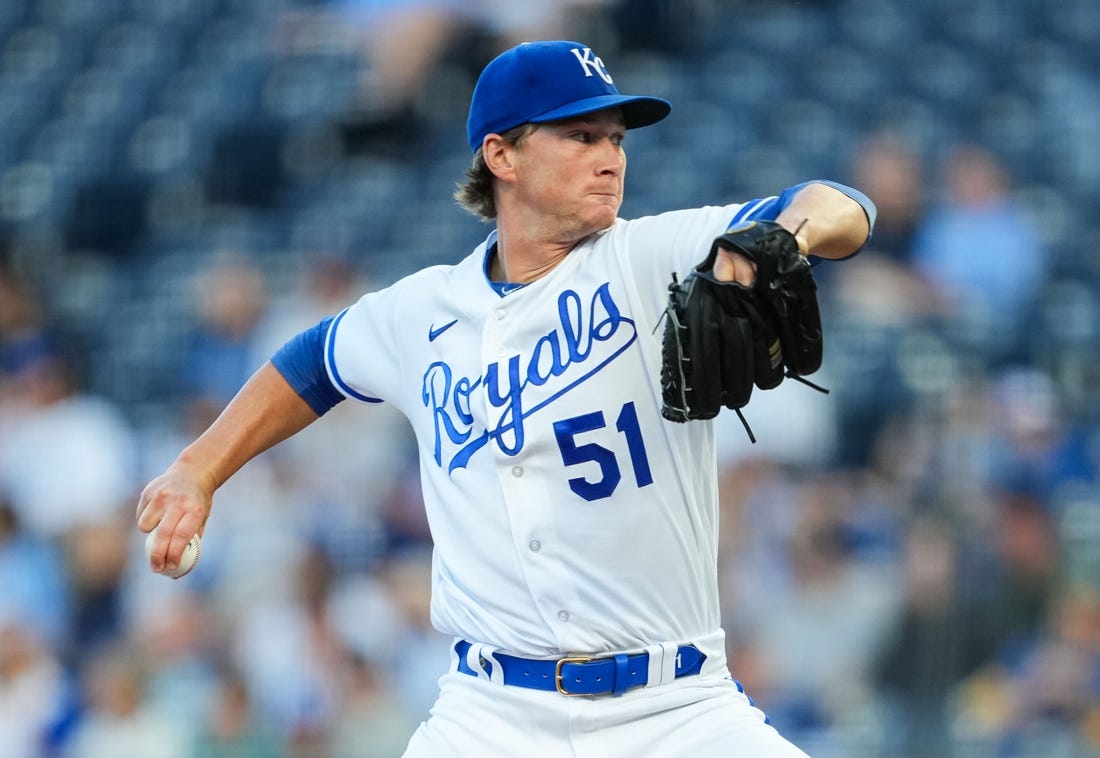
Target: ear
{"points": [[497, 154]]}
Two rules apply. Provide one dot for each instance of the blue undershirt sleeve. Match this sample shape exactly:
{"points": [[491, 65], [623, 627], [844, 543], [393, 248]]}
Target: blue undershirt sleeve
{"points": [[301, 361]]}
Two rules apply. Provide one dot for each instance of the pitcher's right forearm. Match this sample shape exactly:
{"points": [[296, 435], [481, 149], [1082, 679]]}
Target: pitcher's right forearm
{"points": [[265, 412], [177, 503]]}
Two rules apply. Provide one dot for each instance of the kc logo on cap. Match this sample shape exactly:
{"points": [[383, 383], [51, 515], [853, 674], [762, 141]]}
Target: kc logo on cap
{"points": [[536, 82], [591, 63]]}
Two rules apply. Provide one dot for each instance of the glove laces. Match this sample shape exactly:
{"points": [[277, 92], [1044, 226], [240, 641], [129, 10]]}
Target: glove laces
{"points": [[790, 375]]}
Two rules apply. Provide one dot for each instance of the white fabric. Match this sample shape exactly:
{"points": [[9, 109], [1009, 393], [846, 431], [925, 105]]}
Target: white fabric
{"points": [[694, 717], [567, 514]]}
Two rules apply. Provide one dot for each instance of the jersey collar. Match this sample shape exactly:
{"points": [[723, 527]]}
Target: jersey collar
{"points": [[501, 288]]}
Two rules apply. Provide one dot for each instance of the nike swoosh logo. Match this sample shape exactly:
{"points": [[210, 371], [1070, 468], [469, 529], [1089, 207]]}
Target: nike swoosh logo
{"points": [[433, 332]]}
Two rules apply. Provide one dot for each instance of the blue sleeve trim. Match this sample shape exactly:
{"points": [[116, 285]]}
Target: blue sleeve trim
{"points": [[330, 355], [767, 209], [866, 202], [301, 362]]}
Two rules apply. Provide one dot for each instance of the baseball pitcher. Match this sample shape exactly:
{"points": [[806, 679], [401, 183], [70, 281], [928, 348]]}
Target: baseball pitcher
{"points": [[560, 380]]}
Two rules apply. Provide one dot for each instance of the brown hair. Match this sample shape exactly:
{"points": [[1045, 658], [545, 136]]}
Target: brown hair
{"points": [[476, 193]]}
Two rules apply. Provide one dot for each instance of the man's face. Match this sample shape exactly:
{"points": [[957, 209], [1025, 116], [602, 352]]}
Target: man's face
{"points": [[571, 173]]}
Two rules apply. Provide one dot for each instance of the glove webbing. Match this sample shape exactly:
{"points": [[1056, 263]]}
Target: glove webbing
{"points": [[669, 312]]}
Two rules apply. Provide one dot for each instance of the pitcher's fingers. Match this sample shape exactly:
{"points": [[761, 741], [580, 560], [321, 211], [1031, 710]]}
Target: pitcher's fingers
{"points": [[744, 270], [146, 519], [186, 527], [724, 270], [158, 547], [734, 267]]}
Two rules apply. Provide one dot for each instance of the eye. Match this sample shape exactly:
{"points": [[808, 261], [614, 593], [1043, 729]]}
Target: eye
{"points": [[581, 136], [618, 139]]}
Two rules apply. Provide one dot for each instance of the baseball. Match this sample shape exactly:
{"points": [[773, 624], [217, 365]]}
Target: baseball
{"points": [[190, 554]]}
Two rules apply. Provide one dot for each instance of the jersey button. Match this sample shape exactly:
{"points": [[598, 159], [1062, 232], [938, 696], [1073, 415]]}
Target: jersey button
{"points": [[501, 314], [535, 546], [517, 471], [563, 615]]}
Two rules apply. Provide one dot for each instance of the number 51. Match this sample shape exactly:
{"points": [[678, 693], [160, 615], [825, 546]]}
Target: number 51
{"points": [[572, 454]]}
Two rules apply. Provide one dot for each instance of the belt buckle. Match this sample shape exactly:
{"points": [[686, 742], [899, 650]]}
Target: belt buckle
{"points": [[558, 676]]}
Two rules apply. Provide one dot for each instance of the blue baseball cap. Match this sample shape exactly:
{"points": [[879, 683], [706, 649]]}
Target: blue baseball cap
{"points": [[536, 82]]}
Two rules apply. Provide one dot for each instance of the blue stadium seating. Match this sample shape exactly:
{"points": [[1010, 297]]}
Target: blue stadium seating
{"points": [[127, 122]]}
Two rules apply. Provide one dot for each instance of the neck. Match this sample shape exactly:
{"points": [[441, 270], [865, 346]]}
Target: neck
{"points": [[522, 258]]}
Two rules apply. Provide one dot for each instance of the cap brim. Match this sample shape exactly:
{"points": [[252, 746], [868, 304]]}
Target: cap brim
{"points": [[637, 110]]}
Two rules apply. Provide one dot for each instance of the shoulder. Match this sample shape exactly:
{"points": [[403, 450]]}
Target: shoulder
{"points": [[429, 276], [706, 220], [703, 215]]}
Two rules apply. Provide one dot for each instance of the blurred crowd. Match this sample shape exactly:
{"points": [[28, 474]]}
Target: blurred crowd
{"points": [[910, 565]]}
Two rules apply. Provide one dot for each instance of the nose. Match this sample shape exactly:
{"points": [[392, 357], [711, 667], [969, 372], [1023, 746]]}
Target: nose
{"points": [[612, 158]]}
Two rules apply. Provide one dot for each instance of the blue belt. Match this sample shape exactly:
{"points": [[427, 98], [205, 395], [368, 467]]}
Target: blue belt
{"points": [[581, 675]]}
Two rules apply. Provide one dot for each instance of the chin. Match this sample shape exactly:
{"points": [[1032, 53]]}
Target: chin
{"points": [[605, 216]]}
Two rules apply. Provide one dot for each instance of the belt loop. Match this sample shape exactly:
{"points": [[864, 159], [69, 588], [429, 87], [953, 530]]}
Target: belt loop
{"points": [[664, 662], [622, 674], [656, 664], [670, 662], [481, 657]]}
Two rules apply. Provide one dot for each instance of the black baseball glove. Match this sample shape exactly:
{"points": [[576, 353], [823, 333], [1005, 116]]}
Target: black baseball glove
{"points": [[723, 338]]}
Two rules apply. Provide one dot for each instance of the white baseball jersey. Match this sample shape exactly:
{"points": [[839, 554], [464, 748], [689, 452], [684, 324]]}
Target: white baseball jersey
{"points": [[567, 514]]}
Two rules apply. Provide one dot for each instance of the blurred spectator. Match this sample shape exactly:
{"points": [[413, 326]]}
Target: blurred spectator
{"points": [[66, 457], [323, 284], [895, 480], [371, 724], [1004, 433], [230, 298], [22, 334], [321, 671], [34, 581], [290, 656], [67, 465], [96, 567], [880, 283], [981, 251], [974, 604], [423, 654], [393, 663], [176, 635], [815, 638], [1035, 448], [874, 300], [400, 45], [890, 170], [930, 649], [1016, 602], [403, 43], [32, 689], [1052, 697], [759, 514], [231, 726], [118, 720]]}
